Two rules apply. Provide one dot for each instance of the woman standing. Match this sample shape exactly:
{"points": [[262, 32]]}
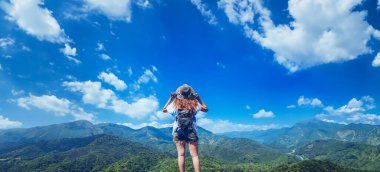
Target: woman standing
{"points": [[187, 104]]}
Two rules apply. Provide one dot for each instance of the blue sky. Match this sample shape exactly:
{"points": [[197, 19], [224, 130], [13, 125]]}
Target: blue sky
{"points": [[257, 64]]}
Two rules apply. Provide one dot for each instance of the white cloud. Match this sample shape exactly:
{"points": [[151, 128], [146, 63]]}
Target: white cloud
{"points": [[113, 9], [35, 20], [336, 34], [137, 109], [247, 107], [356, 110], [220, 65], [143, 4], [17, 93], [130, 71], [58, 106], [94, 94], [49, 103], [163, 116], [146, 77], [221, 126], [113, 80], [378, 4], [1, 68], [154, 68], [152, 124], [376, 61], [26, 48], [80, 114], [70, 53], [5, 42], [291, 106], [238, 11], [263, 114], [105, 56], [100, 47], [207, 13], [314, 102], [6, 123]]}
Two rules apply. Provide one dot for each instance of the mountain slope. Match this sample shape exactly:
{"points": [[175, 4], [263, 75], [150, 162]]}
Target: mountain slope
{"points": [[301, 133], [220, 147], [94, 154], [313, 166], [348, 154]]}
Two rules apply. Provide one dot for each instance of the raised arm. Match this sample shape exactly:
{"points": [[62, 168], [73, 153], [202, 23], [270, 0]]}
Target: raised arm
{"points": [[168, 103], [204, 107]]}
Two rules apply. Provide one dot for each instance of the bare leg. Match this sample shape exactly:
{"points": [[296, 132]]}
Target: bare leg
{"points": [[193, 147], [181, 155]]}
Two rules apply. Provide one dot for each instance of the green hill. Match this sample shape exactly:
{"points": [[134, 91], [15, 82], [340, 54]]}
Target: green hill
{"points": [[348, 154], [312, 166], [216, 146], [84, 154]]}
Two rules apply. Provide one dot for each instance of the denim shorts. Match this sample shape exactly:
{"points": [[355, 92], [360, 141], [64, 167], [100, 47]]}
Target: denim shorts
{"points": [[185, 135]]}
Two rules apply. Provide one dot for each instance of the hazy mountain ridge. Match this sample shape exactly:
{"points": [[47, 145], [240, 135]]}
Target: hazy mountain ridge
{"points": [[304, 132]]}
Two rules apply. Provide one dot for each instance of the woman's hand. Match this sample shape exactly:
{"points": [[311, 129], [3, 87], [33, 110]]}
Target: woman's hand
{"points": [[164, 110], [204, 108]]}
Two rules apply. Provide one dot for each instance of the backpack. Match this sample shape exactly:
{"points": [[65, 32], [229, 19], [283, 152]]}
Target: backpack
{"points": [[185, 119]]}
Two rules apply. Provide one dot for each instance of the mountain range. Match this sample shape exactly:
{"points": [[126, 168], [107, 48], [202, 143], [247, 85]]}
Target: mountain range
{"points": [[289, 138], [83, 146]]}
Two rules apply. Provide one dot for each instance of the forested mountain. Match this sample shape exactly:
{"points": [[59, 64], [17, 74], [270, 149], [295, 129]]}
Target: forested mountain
{"points": [[83, 146], [304, 132]]}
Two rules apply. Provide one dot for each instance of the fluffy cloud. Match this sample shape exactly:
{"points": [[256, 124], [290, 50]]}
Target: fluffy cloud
{"points": [[39, 22], [5, 42], [211, 19], [356, 110], [70, 53], [314, 102], [6, 123], [58, 106], [105, 56], [221, 126], [337, 34], [46, 102], [34, 19], [100, 47], [137, 109], [263, 114], [247, 107], [80, 114], [113, 80], [143, 4], [146, 77], [113, 9], [94, 94], [238, 11], [376, 61], [16, 93]]}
